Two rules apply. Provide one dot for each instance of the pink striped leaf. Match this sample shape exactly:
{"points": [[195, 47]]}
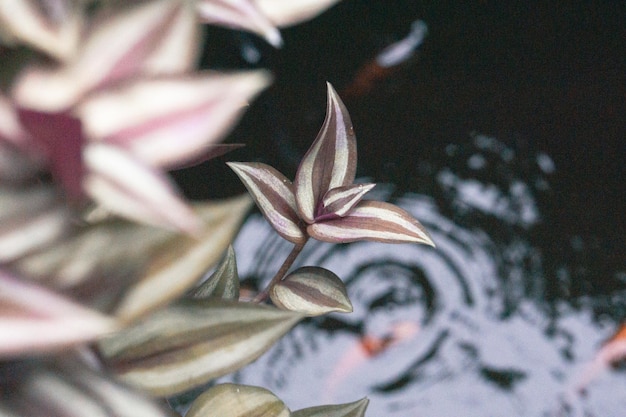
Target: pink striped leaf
{"points": [[171, 121], [156, 37], [51, 26], [126, 186], [331, 160], [375, 221], [292, 12], [239, 14], [273, 194], [34, 319]]}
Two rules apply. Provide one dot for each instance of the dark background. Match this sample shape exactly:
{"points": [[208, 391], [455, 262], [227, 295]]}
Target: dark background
{"points": [[538, 76]]}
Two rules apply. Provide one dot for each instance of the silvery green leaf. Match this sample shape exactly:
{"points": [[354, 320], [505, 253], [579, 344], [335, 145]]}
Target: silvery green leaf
{"points": [[355, 409], [273, 194], [375, 221], [339, 201], [189, 343], [312, 291], [67, 386], [30, 219], [330, 162], [223, 282], [182, 260], [232, 400]]}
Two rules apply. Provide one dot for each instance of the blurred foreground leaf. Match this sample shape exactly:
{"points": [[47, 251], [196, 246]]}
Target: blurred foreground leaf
{"points": [[191, 342], [182, 261], [223, 282], [312, 291], [231, 400], [67, 387], [355, 409]]}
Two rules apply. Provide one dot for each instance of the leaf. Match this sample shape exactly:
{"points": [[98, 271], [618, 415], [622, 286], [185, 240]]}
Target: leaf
{"points": [[68, 386], [273, 194], [330, 162], [52, 28], [147, 38], [231, 400], [223, 282], [312, 291], [125, 185], [170, 121], [374, 221], [339, 201], [34, 319], [239, 14], [354, 409], [191, 342], [30, 219], [182, 260], [292, 12]]}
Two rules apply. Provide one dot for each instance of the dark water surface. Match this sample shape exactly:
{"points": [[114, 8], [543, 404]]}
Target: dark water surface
{"points": [[505, 137]]}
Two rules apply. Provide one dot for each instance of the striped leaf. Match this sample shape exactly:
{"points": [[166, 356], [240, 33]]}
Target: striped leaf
{"points": [[354, 409], [375, 221], [292, 12], [339, 201], [182, 260], [232, 400], [170, 121], [312, 291], [239, 14], [155, 37], [223, 282], [273, 194], [330, 162], [34, 319], [125, 185], [189, 343]]}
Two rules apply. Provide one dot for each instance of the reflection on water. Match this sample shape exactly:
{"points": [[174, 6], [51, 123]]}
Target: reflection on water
{"points": [[463, 329]]}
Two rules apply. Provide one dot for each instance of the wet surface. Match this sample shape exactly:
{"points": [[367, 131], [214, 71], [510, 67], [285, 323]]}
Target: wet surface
{"points": [[504, 136]]}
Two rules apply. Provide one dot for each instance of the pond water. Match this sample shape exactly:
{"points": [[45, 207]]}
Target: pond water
{"points": [[463, 328], [504, 136]]}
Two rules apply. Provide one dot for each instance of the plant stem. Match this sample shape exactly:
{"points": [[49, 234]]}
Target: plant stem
{"points": [[262, 296]]}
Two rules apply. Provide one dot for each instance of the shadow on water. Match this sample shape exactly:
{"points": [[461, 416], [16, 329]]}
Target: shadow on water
{"points": [[528, 280]]}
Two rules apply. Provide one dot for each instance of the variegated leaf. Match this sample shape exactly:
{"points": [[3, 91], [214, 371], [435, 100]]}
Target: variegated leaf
{"points": [[232, 400], [330, 162], [292, 12], [239, 14], [223, 282], [170, 121], [375, 221], [126, 186], [67, 386], [155, 37], [181, 261], [189, 343], [312, 291], [53, 26], [30, 219], [273, 194], [339, 201], [354, 409], [34, 319]]}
